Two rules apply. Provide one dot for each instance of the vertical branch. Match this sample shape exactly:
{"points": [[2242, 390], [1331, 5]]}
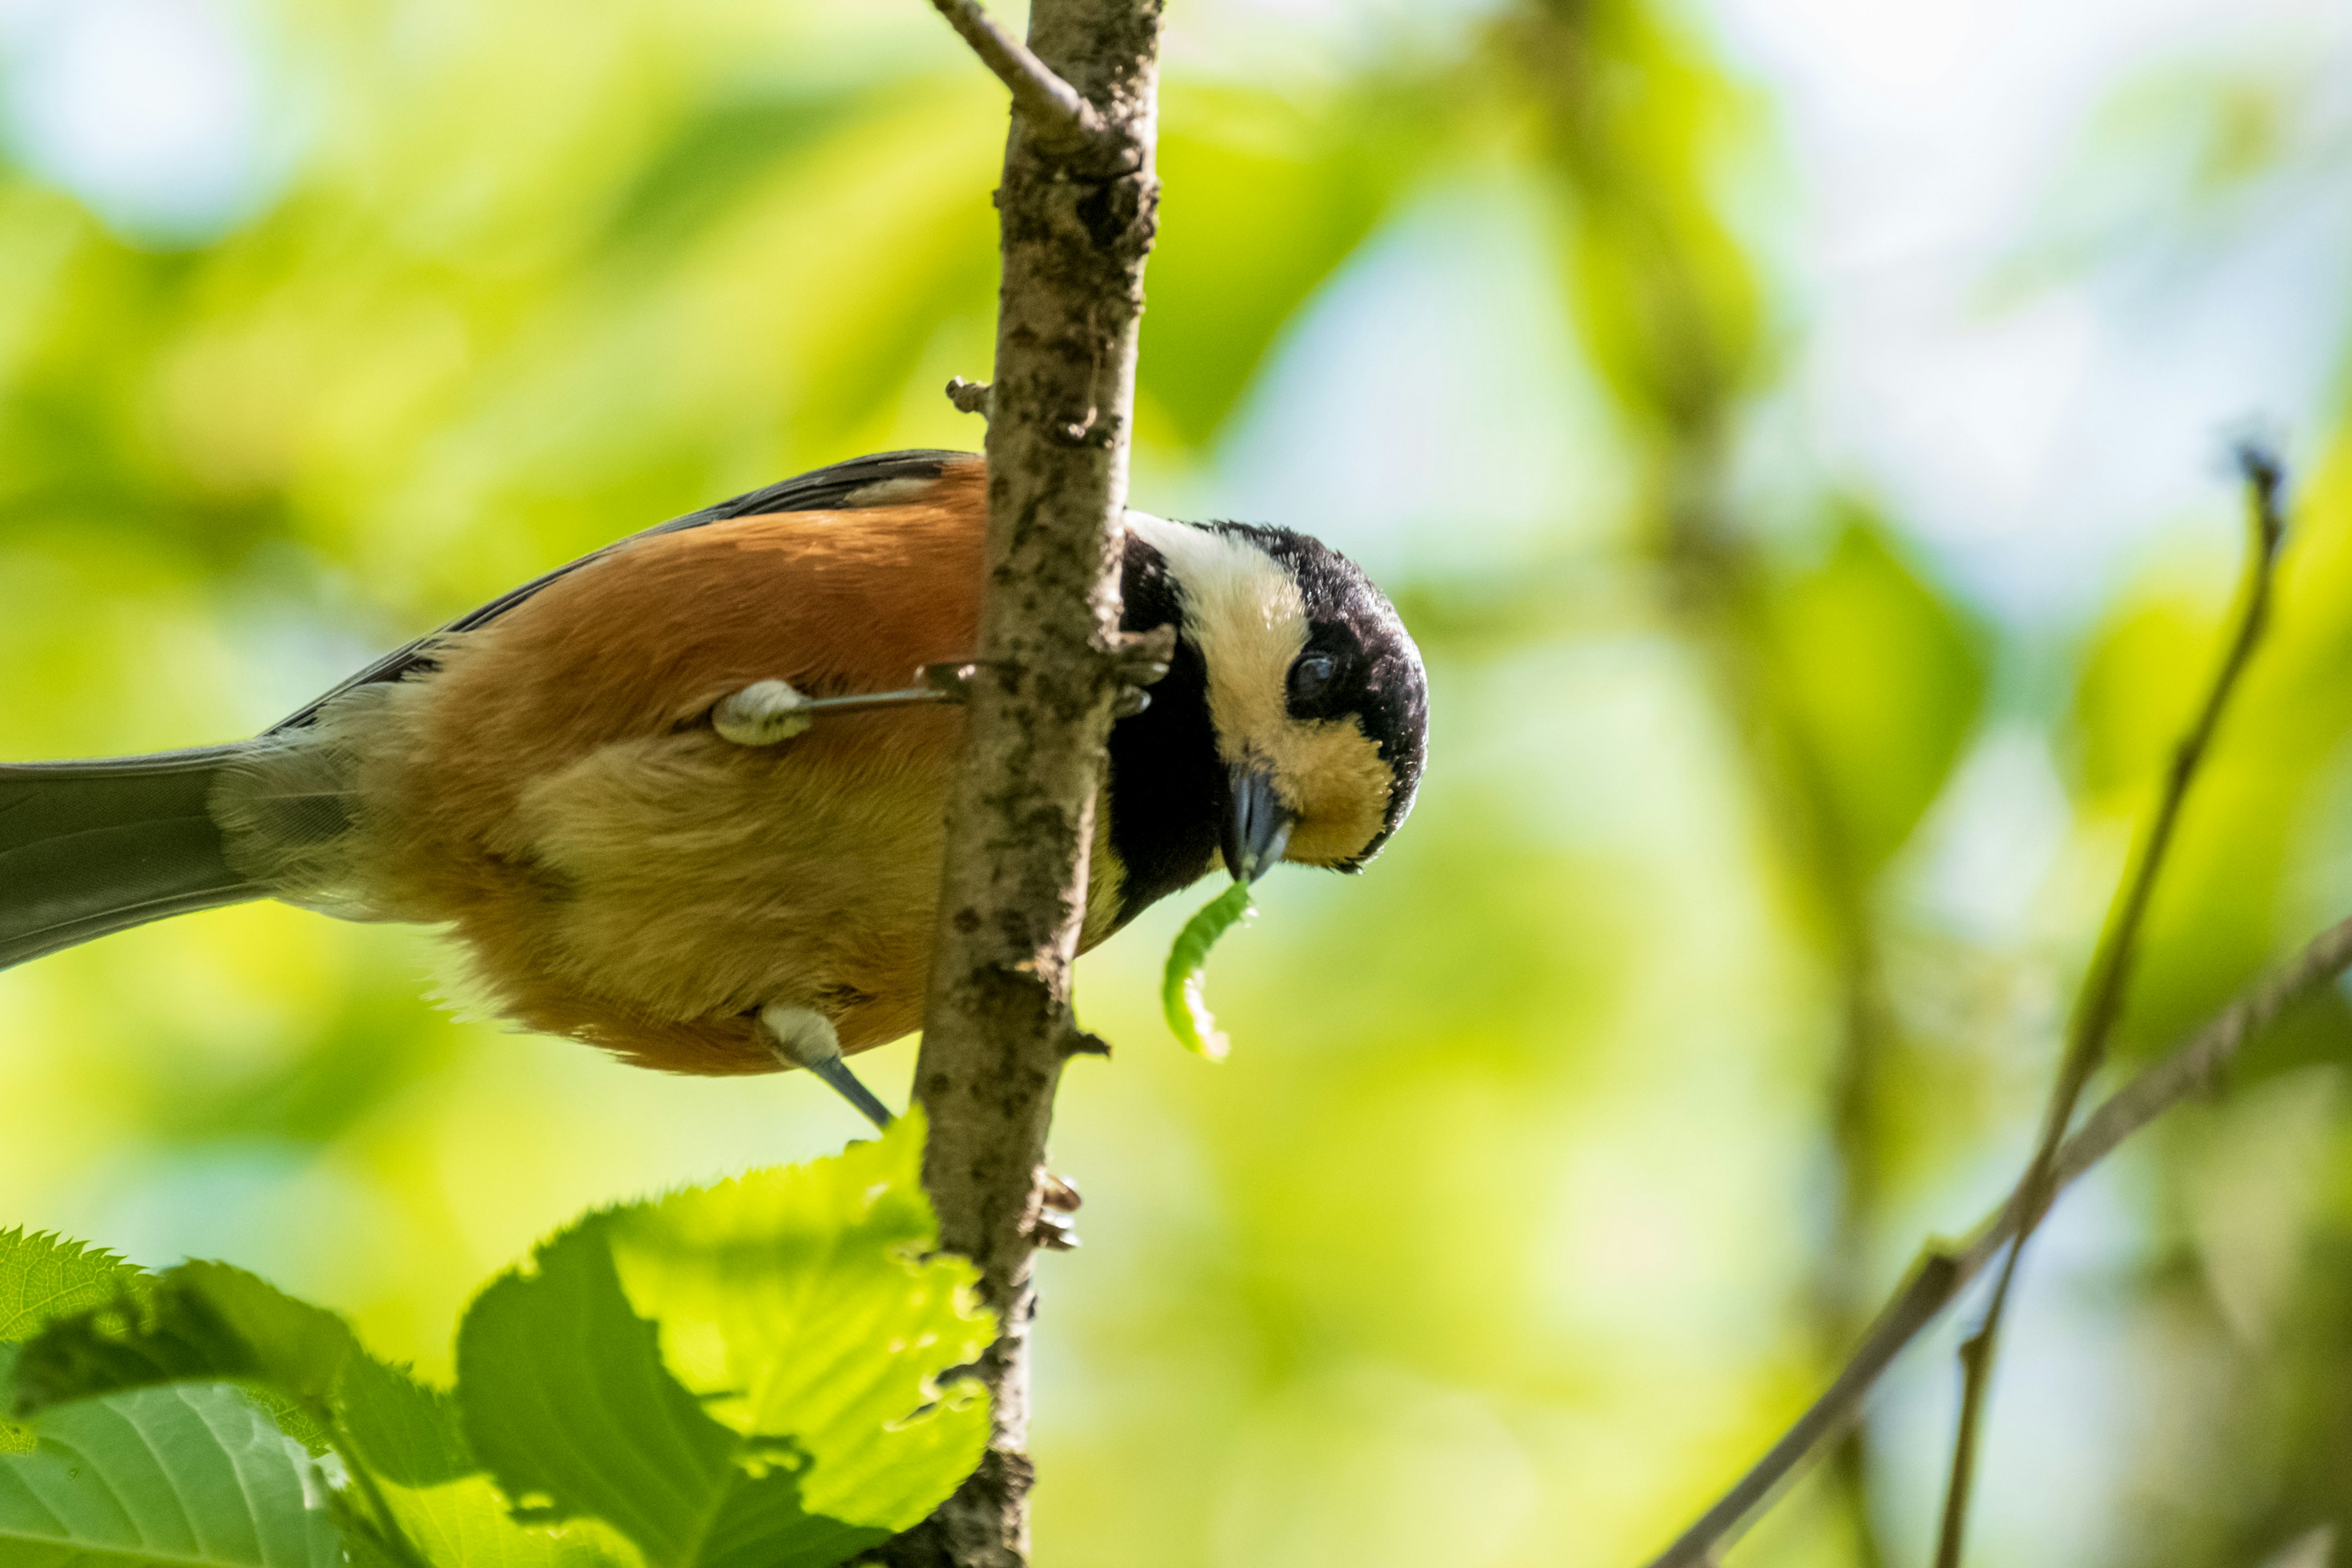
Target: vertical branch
{"points": [[1077, 209], [2104, 985]]}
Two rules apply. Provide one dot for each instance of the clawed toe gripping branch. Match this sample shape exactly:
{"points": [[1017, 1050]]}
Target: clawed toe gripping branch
{"points": [[2059, 1157]]}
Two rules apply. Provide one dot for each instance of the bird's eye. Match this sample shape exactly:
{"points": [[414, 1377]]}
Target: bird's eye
{"points": [[1310, 676]]}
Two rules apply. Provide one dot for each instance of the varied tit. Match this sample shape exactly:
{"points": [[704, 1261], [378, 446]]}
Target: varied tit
{"points": [[607, 785]]}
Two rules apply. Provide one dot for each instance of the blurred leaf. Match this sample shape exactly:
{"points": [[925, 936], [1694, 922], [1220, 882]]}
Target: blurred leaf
{"points": [[1263, 199], [801, 1425], [2215, 921], [2177, 160], [711, 159], [2251, 1180], [1883, 679], [381, 1040], [2148, 665], [189, 1476], [2316, 1033], [1637, 117]]}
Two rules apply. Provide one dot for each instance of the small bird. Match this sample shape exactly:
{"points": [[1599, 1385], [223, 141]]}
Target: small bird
{"points": [[678, 800]]}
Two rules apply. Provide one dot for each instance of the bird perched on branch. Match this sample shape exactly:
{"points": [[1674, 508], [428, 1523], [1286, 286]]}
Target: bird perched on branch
{"points": [[679, 799]]}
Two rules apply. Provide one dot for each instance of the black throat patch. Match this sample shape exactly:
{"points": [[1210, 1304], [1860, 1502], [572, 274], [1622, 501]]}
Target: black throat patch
{"points": [[1167, 786]]}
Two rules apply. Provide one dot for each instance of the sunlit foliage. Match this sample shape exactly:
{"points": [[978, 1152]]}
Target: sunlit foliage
{"points": [[1557, 1155]]}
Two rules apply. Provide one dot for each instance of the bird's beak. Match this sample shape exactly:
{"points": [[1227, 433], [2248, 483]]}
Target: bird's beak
{"points": [[1257, 825]]}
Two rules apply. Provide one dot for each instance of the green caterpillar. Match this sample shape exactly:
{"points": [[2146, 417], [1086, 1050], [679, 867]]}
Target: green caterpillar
{"points": [[1179, 989]]}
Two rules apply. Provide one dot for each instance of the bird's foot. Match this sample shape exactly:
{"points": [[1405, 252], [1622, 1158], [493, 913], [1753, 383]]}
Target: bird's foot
{"points": [[804, 1037], [761, 714], [1052, 1227], [1138, 660]]}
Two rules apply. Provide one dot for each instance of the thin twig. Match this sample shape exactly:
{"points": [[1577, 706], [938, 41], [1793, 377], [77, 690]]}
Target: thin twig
{"points": [[1059, 117], [970, 396], [2191, 1069], [2105, 985]]}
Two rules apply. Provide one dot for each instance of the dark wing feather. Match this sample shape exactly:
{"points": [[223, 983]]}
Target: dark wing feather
{"points": [[831, 489]]}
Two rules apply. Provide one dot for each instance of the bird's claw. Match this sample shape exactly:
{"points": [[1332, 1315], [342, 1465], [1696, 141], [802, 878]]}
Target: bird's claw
{"points": [[1050, 1225], [1140, 659], [952, 678]]}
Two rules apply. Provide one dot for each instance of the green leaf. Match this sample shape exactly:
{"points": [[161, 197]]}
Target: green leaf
{"points": [[566, 1399], [186, 1477], [1181, 995], [14, 1438], [110, 1391], [466, 1524], [406, 1433], [42, 1277], [801, 1424], [210, 1322], [806, 1301], [303, 1370], [411, 1439], [45, 1276], [201, 1322]]}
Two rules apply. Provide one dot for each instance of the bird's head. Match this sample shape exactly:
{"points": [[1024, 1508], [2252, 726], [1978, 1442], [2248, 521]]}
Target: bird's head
{"points": [[1296, 703]]}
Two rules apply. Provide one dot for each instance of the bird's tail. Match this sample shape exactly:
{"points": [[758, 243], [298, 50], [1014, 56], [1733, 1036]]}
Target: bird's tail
{"points": [[91, 848]]}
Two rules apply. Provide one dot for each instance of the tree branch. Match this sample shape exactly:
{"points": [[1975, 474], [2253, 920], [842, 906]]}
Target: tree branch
{"points": [[1060, 121], [1021, 817], [2104, 985], [1942, 1273]]}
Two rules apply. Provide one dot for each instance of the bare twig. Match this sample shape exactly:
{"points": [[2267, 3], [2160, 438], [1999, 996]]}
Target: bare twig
{"points": [[2193, 1068], [2104, 986], [968, 397], [1052, 665], [1060, 119]]}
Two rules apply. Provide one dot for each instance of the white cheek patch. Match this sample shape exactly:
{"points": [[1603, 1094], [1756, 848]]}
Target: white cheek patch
{"points": [[1245, 615]]}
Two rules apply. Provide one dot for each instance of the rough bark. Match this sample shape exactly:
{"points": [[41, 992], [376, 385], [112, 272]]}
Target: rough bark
{"points": [[1077, 221]]}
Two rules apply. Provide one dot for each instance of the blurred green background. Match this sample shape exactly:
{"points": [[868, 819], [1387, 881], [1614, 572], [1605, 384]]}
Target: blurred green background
{"points": [[1793, 428]]}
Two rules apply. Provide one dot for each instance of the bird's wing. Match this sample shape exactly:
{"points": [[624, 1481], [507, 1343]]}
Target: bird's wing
{"points": [[875, 480]]}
